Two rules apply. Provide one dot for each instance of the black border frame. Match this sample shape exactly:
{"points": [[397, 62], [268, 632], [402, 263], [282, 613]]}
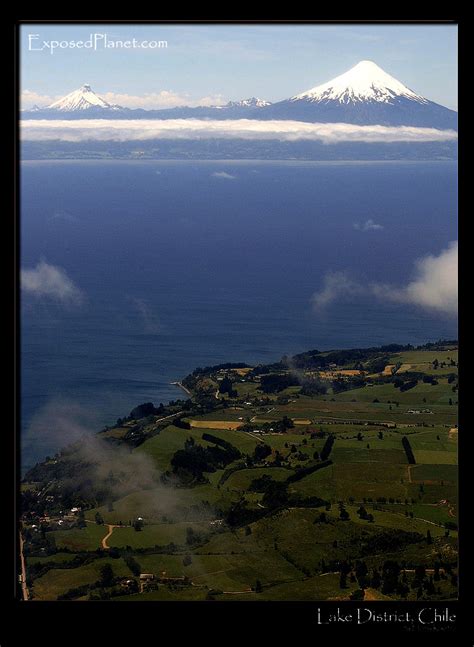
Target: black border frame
{"points": [[59, 622]]}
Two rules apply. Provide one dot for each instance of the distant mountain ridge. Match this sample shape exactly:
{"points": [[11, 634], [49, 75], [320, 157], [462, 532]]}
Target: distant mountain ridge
{"points": [[364, 95]]}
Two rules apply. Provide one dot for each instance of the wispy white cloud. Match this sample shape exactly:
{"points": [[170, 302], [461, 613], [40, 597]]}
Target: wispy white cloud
{"points": [[151, 322], [29, 98], [434, 285], [146, 129], [368, 225], [223, 175], [162, 99], [336, 285], [47, 281]]}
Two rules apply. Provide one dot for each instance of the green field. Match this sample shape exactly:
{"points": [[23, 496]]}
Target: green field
{"points": [[287, 541], [154, 535], [88, 538], [58, 581], [57, 558]]}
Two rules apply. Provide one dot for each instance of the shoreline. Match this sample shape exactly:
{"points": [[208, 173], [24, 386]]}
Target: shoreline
{"points": [[180, 385]]}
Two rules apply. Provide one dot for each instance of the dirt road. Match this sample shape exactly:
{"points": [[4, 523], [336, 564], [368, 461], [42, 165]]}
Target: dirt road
{"points": [[110, 531], [24, 588]]}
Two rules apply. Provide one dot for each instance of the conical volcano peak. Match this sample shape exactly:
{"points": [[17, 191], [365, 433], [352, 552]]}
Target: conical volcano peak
{"points": [[367, 65], [81, 99], [366, 81]]}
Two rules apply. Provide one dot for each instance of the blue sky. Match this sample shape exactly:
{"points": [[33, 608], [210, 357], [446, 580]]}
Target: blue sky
{"points": [[216, 63]]}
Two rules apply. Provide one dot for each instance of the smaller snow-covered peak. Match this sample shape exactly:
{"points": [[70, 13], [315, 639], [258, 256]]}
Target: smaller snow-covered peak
{"points": [[81, 99], [253, 102], [366, 81]]}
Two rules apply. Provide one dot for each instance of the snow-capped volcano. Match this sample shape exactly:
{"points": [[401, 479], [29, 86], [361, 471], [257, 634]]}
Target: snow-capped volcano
{"points": [[253, 102], [82, 99], [366, 81], [364, 95]]}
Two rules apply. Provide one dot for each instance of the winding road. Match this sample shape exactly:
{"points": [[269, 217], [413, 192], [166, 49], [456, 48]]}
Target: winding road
{"points": [[110, 531]]}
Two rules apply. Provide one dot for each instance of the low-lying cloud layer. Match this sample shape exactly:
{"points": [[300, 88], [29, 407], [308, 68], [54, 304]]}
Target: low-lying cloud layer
{"points": [[47, 281], [148, 129], [434, 285]]}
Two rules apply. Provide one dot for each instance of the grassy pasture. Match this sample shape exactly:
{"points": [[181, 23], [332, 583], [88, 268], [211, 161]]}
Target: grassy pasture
{"points": [[57, 558], [241, 480], [58, 581], [215, 424], [88, 538], [427, 456], [424, 356], [436, 473], [155, 535], [176, 504]]}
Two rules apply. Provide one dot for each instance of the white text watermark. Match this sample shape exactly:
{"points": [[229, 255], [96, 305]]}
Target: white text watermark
{"points": [[94, 42]]}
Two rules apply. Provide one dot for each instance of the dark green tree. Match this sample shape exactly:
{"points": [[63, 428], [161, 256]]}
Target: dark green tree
{"points": [[106, 574]]}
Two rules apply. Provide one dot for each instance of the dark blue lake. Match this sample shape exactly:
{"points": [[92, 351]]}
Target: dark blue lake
{"points": [[185, 264]]}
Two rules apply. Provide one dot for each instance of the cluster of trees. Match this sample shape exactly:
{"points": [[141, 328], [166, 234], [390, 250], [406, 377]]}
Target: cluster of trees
{"points": [[314, 359], [275, 382], [261, 452], [261, 484], [404, 385], [181, 424], [389, 540], [304, 471], [327, 447], [240, 514], [408, 450], [132, 564], [363, 514], [314, 386], [339, 385], [227, 387], [391, 579], [190, 463]]}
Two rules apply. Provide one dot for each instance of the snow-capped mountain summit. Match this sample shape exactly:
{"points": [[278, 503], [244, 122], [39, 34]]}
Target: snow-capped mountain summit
{"points": [[366, 81], [82, 99], [253, 102], [364, 95]]}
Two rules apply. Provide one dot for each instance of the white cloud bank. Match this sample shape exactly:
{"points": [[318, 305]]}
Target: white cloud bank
{"points": [[146, 129], [47, 281], [434, 285]]}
